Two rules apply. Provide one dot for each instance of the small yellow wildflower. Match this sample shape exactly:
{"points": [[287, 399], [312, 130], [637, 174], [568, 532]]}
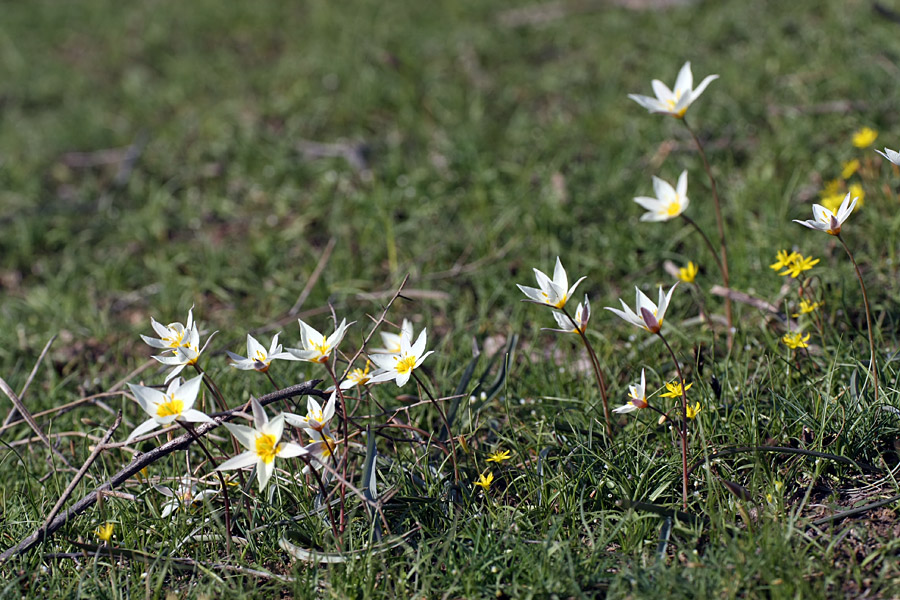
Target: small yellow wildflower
{"points": [[799, 265], [693, 411], [674, 390], [689, 273], [857, 191], [865, 137], [795, 340], [104, 532], [499, 456], [782, 259], [807, 307], [778, 485], [485, 481], [831, 188], [833, 202], [849, 168]]}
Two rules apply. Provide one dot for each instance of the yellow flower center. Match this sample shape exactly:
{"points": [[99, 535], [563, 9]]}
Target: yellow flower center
{"points": [[171, 408], [176, 338], [406, 364], [267, 447], [327, 446], [322, 348], [674, 208]]}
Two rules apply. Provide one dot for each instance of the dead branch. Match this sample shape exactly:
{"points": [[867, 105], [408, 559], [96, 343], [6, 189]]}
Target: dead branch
{"points": [[139, 462]]}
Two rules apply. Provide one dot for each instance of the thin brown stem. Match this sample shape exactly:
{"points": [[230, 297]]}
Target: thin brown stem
{"points": [[709, 243], [346, 424], [324, 490], [446, 424], [684, 419], [720, 224], [598, 373], [272, 380], [214, 464], [862, 286]]}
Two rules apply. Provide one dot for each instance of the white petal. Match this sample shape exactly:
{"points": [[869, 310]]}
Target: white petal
{"points": [[275, 427], [651, 204], [253, 347], [380, 376], [243, 434], [148, 398], [155, 342], [685, 80], [143, 428], [290, 450], [242, 460], [195, 416], [560, 279], [682, 184], [661, 90], [402, 378], [264, 472], [328, 411], [384, 361], [187, 392], [533, 293], [260, 418], [419, 347], [700, 88], [296, 420], [663, 190]]}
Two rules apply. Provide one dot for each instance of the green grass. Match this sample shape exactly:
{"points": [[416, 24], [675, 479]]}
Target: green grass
{"points": [[490, 150]]}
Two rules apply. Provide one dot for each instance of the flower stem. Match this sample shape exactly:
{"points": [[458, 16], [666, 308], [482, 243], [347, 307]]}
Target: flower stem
{"points": [[272, 380], [720, 224], [862, 286], [324, 491], [346, 423], [598, 373], [684, 420], [709, 245], [212, 461], [440, 410]]}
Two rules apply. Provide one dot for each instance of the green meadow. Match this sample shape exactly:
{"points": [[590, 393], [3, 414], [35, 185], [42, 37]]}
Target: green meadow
{"points": [[265, 162]]}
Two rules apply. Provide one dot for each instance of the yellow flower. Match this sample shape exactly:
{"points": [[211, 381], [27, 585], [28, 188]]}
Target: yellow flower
{"points": [[833, 202], [795, 340], [857, 191], [799, 265], [692, 411], [806, 307], [782, 259], [849, 168], [499, 456], [485, 481], [674, 390], [104, 532], [778, 486], [831, 188], [865, 137], [689, 273]]}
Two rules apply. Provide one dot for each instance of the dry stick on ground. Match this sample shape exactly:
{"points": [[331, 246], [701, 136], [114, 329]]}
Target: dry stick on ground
{"points": [[317, 272], [139, 462], [15, 411], [30, 420], [83, 470]]}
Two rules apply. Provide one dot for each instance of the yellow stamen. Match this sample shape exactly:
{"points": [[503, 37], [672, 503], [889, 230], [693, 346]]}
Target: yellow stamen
{"points": [[406, 364], [266, 447], [674, 208], [173, 407]]}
